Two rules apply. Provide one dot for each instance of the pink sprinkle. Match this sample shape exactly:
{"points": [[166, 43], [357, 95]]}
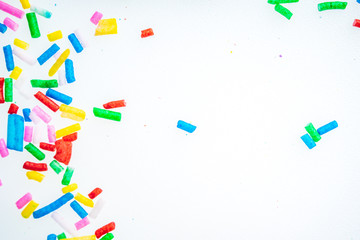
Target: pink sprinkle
{"points": [[28, 135], [11, 10], [82, 223], [51, 133], [23, 200], [41, 114], [96, 17], [3, 149], [11, 24], [0, 183]]}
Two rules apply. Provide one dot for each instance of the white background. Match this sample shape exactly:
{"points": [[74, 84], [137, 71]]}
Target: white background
{"points": [[244, 173]]}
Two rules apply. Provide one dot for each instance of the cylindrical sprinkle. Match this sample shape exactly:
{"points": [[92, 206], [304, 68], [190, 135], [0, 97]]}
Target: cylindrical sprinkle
{"points": [[39, 155], [11, 24], [327, 127], [282, 1], [3, 149], [186, 126], [69, 71], [78, 209], [47, 101], [283, 11], [61, 236], [62, 77], [75, 43], [115, 104], [33, 175], [51, 237], [70, 138], [147, 33], [8, 90], [21, 44], [3, 28], [0, 183], [72, 110], [71, 116], [91, 237], [95, 18], [15, 132], [107, 114], [58, 96], [33, 25], [25, 4], [29, 209], [34, 118], [40, 167], [97, 208], [55, 165], [106, 26], [81, 38], [11, 10], [356, 23], [53, 206], [15, 74], [63, 151], [9, 59], [44, 83], [59, 62], [67, 176], [13, 109], [24, 56], [84, 200], [82, 223], [51, 133], [28, 135], [312, 132], [94, 193], [26, 113], [68, 130], [108, 236], [48, 53], [331, 5], [70, 188], [54, 36], [38, 135], [308, 141], [42, 12], [59, 219], [23, 200], [105, 229], [2, 98], [47, 147], [41, 114]]}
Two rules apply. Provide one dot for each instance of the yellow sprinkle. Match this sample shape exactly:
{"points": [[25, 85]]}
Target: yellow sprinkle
{"points": [[106, 26], [72, 112], [29, 209], [69, 188], [55, 36], [71, 116], [21, 44], [59, 62], [84, 200], [25, 4], [15, 74], [91, 237], [33, 175], [68, 130]]}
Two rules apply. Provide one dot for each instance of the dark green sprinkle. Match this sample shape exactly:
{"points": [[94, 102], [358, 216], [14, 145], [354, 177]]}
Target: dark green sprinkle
{"points": [[33, 25], [103, 113], [37, 83], [8, 90], [35, 151]]}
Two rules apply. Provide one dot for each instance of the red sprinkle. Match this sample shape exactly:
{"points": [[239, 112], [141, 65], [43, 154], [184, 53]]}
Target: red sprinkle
{"points": [[47, 101], [63, 151], [13, 108], [147, 33], [2, 99], [70, 138], [115, 104], [47, 147], [356, 23], [94, 193], [35, 166], [105, 229]]}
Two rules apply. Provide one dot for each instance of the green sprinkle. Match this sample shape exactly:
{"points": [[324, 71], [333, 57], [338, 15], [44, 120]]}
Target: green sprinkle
{"points": [[37, 83], [282, 1], [61, 236], [103, 113], [331, 5], [33, 25], [67, 176], [35, 151], [108, 236], [283, 11], [55, 165], [8, 90], [312, 132]]}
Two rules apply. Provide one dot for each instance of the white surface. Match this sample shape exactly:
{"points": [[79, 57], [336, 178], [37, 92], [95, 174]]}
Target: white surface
{"points": [[244, 173]]}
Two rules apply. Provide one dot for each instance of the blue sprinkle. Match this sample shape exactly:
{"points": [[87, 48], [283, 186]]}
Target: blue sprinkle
{"points": [[51, 237], [327, 127], [308, 141], [69, 71], [48, 54], [59, 96], [3, 28], [53, 206], [186, 126], [75, 43], [26, 113], [78, 209], [9, 59], [15, 132]]}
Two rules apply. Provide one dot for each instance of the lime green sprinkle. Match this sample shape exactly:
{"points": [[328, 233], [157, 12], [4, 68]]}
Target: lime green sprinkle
{"points": [[331, 5], [8, 90], [36, 83], [67, 176], [103, 113], [312, 132], [35, 151], [283, 11], [55, 165], [282, 1]]}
